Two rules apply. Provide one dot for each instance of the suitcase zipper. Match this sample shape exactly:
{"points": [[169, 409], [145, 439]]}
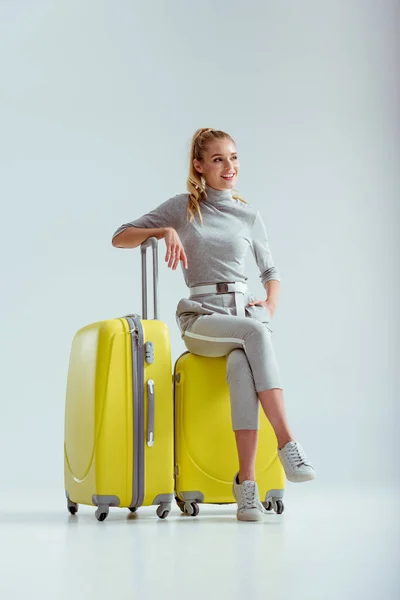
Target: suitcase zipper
{"points": [[136, 333]]}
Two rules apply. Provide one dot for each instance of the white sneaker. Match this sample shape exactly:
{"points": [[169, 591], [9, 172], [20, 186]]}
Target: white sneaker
{"points": [[248, 500], [295, 463]]}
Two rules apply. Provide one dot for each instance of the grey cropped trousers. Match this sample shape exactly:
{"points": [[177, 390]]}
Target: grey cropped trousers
{"points": [[246, 341]]}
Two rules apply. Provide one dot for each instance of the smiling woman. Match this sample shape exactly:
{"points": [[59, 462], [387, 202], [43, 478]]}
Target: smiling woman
{"points": [[209, 230]]}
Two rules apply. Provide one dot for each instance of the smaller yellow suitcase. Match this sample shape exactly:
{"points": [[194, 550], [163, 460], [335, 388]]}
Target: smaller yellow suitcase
{"points": [[118, 444], [205, 449]]}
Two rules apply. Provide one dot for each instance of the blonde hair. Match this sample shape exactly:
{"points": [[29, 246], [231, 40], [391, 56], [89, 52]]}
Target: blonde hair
{"points": [[195, 182]]}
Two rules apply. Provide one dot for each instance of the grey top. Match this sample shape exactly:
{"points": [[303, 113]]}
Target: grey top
{"points": [[215, 250]]}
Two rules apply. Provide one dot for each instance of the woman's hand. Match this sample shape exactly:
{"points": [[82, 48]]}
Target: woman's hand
{"points": [[175, 251], [270, 304]]}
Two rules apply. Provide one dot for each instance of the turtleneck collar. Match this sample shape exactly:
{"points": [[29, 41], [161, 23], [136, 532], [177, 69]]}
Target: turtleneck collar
{"points": [[216, 196]]}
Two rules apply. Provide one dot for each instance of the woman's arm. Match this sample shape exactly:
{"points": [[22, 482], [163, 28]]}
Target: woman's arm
{"points": [[262, 253], [132, 237], [273, 288], [269, 273], [155, 223]]}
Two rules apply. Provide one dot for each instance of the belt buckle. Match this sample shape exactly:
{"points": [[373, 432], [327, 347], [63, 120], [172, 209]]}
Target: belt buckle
{"points": [[222, 288]]}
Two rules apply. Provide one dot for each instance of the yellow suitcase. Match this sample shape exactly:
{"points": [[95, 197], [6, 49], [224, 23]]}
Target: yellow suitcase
{"points": [[205, 449], [118, 446]]}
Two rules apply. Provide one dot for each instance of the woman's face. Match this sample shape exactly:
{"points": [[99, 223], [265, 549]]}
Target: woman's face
{"points": [[220, 164]]}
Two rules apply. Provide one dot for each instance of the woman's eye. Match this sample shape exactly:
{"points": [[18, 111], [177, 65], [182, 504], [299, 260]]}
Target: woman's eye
{"points": [[219, 158]]}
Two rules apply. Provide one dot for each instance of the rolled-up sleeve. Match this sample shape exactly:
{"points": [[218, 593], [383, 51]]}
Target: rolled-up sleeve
{"points": [[262, 252], [164, 215]]}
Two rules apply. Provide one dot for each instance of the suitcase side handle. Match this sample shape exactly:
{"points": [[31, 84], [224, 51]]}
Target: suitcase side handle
{"points": [[153, 242], [150, 413]]}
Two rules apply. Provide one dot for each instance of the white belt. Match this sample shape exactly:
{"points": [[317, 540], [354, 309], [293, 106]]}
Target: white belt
{"points": [[238, 288]]}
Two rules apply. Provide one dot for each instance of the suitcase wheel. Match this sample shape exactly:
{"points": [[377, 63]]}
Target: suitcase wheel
{"points": [[163, 510], [72, 507], [278, 506], [101, 512], [133, 509], [274, 504], [191, 509]]}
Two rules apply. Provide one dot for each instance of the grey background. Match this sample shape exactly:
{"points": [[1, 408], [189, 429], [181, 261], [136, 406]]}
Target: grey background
{"points": [[98, 103]]}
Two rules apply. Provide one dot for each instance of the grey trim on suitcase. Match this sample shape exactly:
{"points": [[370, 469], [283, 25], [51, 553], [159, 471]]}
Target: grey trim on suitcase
{"points": [[277, 494], [105, 500], [192, 496], [136, 332], [140, 404], [176, 377], [163, 499]]}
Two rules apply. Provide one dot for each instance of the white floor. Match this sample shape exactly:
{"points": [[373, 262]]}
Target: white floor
{"points": [[338, 545]]}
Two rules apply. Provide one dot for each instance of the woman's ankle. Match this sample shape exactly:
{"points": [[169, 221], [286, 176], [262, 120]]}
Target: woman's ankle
{"points": [[284, 439], [246, 476]]}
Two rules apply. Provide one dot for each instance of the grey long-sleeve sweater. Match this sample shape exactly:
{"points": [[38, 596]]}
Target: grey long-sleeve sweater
{"points": [[215, 250]]}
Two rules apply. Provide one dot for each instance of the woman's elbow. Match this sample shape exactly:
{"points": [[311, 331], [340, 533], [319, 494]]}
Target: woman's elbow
{"points": [[118, 239], [114, 241], [128, 238]]}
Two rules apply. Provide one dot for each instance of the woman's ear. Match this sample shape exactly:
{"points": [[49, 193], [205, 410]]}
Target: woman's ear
{"points": [[197, 166]]}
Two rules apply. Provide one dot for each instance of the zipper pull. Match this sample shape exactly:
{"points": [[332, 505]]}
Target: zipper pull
{"points": [[134, 331], [137, 336]]}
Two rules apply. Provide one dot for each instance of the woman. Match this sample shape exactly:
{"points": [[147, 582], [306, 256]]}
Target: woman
{"points": [[209, 231]]}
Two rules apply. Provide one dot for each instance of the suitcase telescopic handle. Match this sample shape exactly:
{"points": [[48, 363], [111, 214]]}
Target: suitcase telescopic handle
{"points": [[153, 242]]}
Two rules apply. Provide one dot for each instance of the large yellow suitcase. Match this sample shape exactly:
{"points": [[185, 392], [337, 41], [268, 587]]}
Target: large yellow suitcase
{"points": [[118, 447], [205, 449]]}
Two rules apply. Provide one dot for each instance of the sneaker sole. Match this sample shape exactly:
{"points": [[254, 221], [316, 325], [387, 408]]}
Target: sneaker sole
{"points": [[250, 518], [300, 478]]}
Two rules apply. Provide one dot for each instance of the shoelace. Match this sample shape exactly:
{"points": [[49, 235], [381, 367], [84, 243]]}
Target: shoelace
{"points": [[249, 496], [297, 457]]}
